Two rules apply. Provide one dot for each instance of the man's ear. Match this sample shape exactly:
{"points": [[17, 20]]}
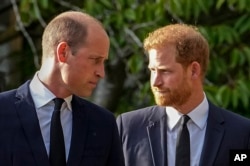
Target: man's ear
{"points": [[196, 70], [62, 51]]}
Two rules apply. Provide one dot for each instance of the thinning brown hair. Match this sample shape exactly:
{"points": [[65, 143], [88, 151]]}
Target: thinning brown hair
{"points": [[189, 43], [70, 27]]}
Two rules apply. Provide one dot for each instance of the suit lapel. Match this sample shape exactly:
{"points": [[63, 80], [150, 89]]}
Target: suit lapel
{"points": [[79, 133], [29, 121], [213, 137], [157, 135]]}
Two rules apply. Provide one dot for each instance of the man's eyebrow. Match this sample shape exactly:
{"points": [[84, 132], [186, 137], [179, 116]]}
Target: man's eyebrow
{"points": [[96, 56], [150, 67], [99, 57]]}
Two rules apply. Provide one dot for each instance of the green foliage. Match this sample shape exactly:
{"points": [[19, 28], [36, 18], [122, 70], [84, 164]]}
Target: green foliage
{"points": [[27, 11], [189, 8], [225, 24]]}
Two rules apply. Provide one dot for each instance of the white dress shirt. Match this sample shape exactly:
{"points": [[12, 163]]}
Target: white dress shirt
{"points": [[43, 100], [196, 126]]}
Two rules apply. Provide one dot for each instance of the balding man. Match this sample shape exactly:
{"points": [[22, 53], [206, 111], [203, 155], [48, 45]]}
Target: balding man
{"points": [[75, 47]]}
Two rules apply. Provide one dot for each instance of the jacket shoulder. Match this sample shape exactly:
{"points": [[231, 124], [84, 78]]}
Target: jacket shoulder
{"points": [[222, 115], [142, 116], [92, 108], [146, 111]]}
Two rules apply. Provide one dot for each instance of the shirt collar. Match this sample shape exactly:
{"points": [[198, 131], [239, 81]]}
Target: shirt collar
{"points": [[42, 95], [198, 115]]}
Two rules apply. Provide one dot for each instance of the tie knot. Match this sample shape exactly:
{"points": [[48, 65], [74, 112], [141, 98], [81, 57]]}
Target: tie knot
{"points": [[185, 119], [58, 103]]}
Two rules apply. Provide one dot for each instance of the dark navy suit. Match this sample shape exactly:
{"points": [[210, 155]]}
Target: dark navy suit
{"points": [[144, 136], [94, 141]]}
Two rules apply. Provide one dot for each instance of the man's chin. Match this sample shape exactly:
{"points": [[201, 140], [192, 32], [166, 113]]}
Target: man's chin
{"points": [[160, 101]]}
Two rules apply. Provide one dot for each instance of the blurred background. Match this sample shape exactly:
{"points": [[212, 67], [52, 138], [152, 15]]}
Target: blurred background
{"points": [[224, 23]]}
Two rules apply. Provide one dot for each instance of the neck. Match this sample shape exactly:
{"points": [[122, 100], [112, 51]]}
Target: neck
{"points": [[194, 100], [51, 79]]}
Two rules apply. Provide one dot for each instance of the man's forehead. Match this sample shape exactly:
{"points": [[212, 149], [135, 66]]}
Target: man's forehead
{"points": [[152, 52]]}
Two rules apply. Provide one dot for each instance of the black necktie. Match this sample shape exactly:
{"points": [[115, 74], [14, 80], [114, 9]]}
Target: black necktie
{"points": [[183, 144], [57, 148]]}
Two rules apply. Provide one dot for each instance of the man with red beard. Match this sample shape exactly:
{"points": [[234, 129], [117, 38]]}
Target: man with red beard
{"points": [[178, 59]]}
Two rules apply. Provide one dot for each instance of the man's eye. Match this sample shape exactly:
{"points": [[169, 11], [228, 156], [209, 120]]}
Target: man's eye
{"points": [[151, 69], [97, 60]]}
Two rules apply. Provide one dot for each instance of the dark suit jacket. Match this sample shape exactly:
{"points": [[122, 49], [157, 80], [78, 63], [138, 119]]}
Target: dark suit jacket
{"points": [[94, 141], [144, 136]]}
